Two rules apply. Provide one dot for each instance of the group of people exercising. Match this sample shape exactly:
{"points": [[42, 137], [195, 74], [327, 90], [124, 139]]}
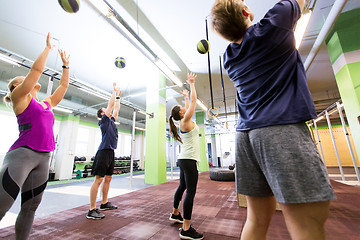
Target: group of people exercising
{"points": [[276, 158]]}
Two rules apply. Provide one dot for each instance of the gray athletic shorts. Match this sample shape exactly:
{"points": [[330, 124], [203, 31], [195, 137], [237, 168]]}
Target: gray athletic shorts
{"points": [[283, 161]]}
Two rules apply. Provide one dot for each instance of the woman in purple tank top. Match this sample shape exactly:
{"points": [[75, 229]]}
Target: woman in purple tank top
{"points": [[26, 164]]}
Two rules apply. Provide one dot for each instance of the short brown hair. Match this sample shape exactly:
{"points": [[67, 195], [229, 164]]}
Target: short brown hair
{"points": [[99, 112], [228, 20]]}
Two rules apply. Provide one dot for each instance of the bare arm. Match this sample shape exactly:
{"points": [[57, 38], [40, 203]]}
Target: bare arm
{"points": [[117, 104], [185, 92], [111, 102], [59, 93], [33, 76], [193, 97], [301, 4]]}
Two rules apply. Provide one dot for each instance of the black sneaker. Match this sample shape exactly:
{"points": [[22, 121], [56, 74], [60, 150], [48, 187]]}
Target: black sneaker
{"points": [[191, 233], [107, 206], [95, 214], [176, 218]]}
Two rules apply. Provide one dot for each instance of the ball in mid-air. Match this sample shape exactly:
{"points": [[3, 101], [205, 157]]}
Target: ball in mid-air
{"points": [[203, 46], [70, 6], [120, 62]]}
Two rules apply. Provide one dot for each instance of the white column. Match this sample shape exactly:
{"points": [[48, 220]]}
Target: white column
{"points": [[64, 155]]}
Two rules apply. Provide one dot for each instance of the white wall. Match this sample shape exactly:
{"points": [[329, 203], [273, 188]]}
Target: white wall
{"points": [[225, 143], [73, 139], [9, 132]]}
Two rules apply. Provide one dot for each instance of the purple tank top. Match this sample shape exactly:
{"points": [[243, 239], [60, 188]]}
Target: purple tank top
{"points": [[36, 128]]}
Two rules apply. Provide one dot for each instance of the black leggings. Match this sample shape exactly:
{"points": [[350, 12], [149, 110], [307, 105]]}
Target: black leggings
{"points": [[188, 181]]}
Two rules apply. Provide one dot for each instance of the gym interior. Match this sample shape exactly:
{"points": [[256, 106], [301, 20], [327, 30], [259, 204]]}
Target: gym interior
{"points": [[158, 42]]}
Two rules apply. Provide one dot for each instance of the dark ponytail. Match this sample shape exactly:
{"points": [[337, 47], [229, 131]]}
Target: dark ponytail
{"points": [[176, 116]]}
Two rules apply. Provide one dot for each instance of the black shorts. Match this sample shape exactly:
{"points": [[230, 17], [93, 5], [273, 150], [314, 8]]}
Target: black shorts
{"points": [[103, 163]]}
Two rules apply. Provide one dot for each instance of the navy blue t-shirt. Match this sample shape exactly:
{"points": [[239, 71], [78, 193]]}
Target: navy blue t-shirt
{"points": [[268, 72], [109, 133]]}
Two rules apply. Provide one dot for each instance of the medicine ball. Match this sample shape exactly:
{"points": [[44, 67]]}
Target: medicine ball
{"points": [[70, 6]]}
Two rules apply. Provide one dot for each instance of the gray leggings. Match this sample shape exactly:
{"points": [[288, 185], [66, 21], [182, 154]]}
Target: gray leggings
{"points": [[27, 170]]}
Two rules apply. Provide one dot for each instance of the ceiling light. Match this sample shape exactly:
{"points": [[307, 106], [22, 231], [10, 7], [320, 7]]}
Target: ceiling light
{"points": [[202, 105], [142, 112], [135, 95], [61, 109], [101, 6], [301, 27], [141, 129], [168, 73], [107, 10], [217, 120], [8, 60], [93, 93], [126, 32]]}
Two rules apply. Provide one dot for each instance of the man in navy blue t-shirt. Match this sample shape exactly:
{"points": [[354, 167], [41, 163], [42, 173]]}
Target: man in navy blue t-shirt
{"points": [[103, 166], [276, 158]]}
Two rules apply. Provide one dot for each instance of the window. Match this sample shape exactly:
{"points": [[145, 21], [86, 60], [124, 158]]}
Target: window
{"points": [[9, 133], [82, 141], [118, 150], [127, 145], [97, 140]]}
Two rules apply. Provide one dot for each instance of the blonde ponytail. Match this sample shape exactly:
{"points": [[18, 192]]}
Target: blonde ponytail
{"points": [[11, 87], [7, 98]]}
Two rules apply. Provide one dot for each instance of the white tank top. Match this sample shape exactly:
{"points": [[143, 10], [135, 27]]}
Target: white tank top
{"points": [[190, 149]]}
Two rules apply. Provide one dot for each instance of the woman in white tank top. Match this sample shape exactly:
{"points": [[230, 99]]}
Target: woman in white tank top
{"points": [[187, 161]]}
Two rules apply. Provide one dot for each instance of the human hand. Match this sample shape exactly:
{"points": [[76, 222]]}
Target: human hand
{"points": [[191, 78], [115, 89], [48, 42], [185, 92], [64, 57]]}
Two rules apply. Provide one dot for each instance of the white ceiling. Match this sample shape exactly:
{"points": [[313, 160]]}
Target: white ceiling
{"points": [[170, 28]]}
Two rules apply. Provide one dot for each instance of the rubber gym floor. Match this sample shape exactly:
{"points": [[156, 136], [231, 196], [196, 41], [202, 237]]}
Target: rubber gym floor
{"points": [[144, 213]]}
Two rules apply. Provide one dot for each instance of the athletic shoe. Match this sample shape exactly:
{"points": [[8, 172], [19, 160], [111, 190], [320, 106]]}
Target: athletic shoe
{"points": [[191, 233], [107, 206], [176, 218], [95, 214]]}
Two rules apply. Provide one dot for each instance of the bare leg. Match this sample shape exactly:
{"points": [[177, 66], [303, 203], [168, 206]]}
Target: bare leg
{"points": [[176, 211], [105, 188], [94, 190], [259, 213], [306, 220], [186, 224]]}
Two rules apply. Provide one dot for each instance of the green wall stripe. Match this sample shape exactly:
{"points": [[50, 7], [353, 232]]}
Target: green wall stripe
{"points": [[138, 132], [88, 124], [347, 80], [334, 48], [155, 153], [162, 85], [347, 29], [349, 92], [67, 118], [327, 127], [203, 164], [200, 117], [5, 107], [354, 69]]}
